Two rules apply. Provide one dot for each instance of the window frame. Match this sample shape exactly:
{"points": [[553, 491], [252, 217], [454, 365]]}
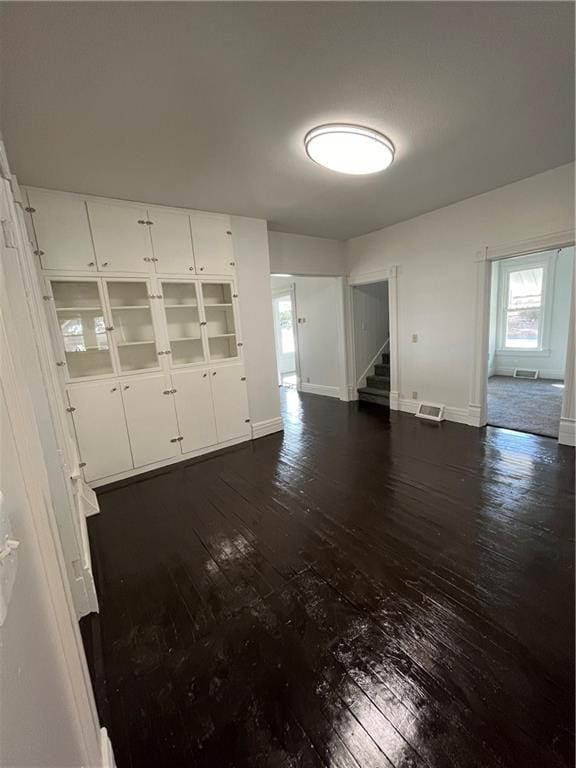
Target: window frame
{"points": [[548, 264]]}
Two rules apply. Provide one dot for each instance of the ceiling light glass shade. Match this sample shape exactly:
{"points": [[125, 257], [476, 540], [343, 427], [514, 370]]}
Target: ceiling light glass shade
{"points": [[349, 148]]}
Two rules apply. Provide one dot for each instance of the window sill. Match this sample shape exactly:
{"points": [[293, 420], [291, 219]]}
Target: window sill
{"points": [[522, 352]]}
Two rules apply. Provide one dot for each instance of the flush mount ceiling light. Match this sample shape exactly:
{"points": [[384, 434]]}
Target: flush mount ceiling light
{"points": [[349, 148]]}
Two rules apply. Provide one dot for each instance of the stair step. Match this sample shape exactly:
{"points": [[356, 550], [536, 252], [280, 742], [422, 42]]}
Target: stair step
{"points": [[382, 369], [372, 395], [378, 382], [386, 358]]}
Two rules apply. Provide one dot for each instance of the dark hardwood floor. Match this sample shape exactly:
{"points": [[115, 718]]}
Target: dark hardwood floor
{"points": [[360, 591]]}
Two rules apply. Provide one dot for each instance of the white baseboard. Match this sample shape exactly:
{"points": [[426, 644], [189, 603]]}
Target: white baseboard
{"points": [[320, 389], [267, 427], [475, 417], [106, 750], [457, 415], [541, 374], [567, 432]]}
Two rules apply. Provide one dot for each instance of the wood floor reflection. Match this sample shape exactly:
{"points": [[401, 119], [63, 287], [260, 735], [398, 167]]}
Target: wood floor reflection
{"points": [[360, 591]]}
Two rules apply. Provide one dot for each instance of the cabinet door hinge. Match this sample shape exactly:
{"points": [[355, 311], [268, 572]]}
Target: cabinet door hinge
{"points": [[71, 409], [228, 232], [30, 210], [48, 298], [39, 253], [243, 378], [82, 464], [246, 421]]}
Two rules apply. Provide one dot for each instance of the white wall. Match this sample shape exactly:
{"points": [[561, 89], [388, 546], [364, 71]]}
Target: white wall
{"points": [[317, 303], [371, 326], [304, 255], [551, 364], [436, 283], [253, 273]]}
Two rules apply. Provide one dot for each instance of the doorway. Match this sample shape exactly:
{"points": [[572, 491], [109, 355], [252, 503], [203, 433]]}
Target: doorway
{"points": [[529, 322], [286, 358]]}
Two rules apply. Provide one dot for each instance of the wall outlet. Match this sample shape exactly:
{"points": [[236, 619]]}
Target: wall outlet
{"points": [[414, 395], [414, 338]]}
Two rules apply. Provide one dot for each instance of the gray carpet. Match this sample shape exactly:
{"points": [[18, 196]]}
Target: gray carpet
{"points": [[528, 406]]}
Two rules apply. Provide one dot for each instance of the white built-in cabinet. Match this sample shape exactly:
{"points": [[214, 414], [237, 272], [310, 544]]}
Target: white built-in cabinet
{"points": [[89, 235], [143, 310], [122, 425]]}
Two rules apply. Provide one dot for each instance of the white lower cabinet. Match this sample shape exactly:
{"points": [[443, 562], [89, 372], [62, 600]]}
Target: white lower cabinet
{"points": [[100, 428], [126, 424], [194, 409], [230, 402], [151, 419]]}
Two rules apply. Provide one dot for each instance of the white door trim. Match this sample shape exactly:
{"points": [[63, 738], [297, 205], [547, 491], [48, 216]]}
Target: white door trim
{"points": [[389, 275], [478, 400]]}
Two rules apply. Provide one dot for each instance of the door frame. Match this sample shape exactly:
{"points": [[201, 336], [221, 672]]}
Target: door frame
{"points": [[478, 400], [389, 275], [289, 291]]}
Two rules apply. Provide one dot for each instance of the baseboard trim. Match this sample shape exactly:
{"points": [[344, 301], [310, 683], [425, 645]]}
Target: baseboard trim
{"points": [[106, 750], [567, 432], [320, 389], [457, 415], [557, 375], [267, 427]]}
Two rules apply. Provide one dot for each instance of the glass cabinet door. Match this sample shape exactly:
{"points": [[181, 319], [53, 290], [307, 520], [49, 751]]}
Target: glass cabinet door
{"points": [[183, 323], [80, 316], [220, 322], [133, 325]]}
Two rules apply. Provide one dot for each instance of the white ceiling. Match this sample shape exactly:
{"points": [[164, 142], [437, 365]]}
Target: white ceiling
{"points": [[205, 105]]}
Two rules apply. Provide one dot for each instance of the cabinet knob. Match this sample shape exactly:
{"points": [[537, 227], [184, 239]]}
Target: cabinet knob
{"points": [[240, 344], [141, 221], [242, 378], [60, 363], [127, 386], [105, 263], [213, 373], [39, 253], [167, 392], [201, 269], [232, 263], [146, 258], [82, 464], [91, 264], [173, 439], [114, 389], [30, 210], [203, 322], [71, 409], [246, 421], [191, 269], [228, 232], [204, 375], [109, 328]]}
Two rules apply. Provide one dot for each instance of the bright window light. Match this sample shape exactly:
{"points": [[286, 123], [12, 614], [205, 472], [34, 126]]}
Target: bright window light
{"points": [[349, 148]]}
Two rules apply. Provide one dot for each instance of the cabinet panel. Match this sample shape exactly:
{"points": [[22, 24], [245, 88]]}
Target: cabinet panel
{"points": [[172, 242], [194, 409], [220, 320], [80, 317], [151, 419], [213, 251], [122, 244], [183, 322], [62, 232], [100, 429], [133, 325], [230, 402]]}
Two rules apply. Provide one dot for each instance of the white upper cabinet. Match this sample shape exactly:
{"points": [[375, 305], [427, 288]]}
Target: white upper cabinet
{"points": [[62, 231], [212, 239], [100, 428], [171, 241], [151, 419], [121, 237], [193, 398], [230, 402]]}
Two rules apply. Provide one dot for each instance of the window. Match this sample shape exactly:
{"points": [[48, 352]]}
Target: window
{"points": [[524, 308]]}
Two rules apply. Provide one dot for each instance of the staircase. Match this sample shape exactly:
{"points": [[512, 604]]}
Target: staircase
{"points": [[377, 389]]}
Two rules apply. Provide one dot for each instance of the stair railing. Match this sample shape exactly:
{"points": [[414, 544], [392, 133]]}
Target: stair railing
{"points": [[361, 380]]}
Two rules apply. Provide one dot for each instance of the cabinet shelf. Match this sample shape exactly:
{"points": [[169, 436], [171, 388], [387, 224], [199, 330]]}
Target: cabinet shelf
{"points": [[133, 343], [78, 309], [187, 338], [86, 349], [207, 305], [131, 306], [220, 335], [178, 306]]}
